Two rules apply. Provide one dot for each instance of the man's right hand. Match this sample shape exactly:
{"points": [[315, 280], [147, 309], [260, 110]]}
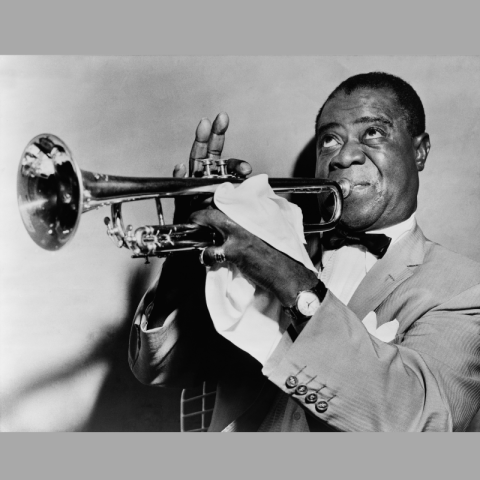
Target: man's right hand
{"points": [[209, 141], [170, 293]]}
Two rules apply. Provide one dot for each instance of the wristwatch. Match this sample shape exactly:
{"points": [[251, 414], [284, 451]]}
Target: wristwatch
{"points": [[307, 303]]}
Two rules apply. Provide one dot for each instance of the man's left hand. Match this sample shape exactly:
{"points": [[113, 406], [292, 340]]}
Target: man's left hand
{"points": [[259, 262]]}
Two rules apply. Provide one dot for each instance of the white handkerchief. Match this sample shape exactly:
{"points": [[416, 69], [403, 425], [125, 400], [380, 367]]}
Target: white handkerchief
{"points": [[257, 208], [386, 332], [248, 316]]}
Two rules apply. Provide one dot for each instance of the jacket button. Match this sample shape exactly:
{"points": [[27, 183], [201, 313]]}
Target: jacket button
{"points": [[291, 382], [311, 398], [301, 390], [321, 406]]}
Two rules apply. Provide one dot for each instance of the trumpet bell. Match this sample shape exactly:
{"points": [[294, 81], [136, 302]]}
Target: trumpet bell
{"points": [[49, 192]]}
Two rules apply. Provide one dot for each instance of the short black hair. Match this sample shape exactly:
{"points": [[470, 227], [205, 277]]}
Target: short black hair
{"points": [[407, 98]]}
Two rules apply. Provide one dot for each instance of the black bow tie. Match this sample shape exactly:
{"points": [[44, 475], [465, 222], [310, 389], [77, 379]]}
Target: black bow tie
{"points": [[376, 243]]}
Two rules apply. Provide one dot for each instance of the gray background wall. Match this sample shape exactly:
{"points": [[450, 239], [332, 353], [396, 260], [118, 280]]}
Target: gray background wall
{"points": [[65, 316]]}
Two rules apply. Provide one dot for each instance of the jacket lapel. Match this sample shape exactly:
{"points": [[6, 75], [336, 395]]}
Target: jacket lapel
{"points": [[394, 268]]}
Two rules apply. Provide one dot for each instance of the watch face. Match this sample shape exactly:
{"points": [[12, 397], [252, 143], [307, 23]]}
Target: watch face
{"points": [[307, 303]]}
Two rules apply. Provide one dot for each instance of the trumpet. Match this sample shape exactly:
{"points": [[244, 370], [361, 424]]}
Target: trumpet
{"points": [[53, 193]]}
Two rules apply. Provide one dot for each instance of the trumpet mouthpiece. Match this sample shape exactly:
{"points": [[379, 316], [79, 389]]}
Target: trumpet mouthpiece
{"points": [[346, 187]]}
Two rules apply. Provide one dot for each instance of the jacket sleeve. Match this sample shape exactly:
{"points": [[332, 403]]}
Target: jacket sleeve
{"points": [[182, 352], [428, 379]]}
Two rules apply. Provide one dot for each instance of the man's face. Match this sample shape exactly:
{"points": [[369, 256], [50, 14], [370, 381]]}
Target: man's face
{"points": [[363, 138]]}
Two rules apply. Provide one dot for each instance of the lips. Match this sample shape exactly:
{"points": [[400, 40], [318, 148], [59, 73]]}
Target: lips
{"points": [[360, 184], [353, 183], [357, 188]]}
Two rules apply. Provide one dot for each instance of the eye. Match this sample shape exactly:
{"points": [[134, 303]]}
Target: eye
{"points": [[373, 132], [328, 141]]}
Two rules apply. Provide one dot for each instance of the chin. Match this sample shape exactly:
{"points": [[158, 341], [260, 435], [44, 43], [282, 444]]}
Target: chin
{"points": [[353, 224], [359, 219]]}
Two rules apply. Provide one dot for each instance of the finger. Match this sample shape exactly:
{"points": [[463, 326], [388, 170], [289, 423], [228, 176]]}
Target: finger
{"points": [[210, 217], [217, 136], [180, 170], [200, 145], [239, 168], [213, 218]]}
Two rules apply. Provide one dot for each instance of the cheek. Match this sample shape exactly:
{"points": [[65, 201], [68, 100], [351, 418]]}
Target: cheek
{"points": [[398, 174], [389, 168], [321, 169]]}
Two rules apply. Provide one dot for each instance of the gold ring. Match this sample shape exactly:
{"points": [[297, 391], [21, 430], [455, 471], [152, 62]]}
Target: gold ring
{"points": [[219, 255]]}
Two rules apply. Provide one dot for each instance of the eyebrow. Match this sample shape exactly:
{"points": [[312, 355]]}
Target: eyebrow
{"points": [[327, 126], [368, 119], [361, 120]]}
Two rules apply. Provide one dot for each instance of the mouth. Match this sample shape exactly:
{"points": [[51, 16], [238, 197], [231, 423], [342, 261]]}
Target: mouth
{"points": [[357, 185], [358, 189], [360, 185]]}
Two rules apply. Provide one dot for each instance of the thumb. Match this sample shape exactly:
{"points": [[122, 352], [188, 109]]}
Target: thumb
{"points": [[180, 170]]}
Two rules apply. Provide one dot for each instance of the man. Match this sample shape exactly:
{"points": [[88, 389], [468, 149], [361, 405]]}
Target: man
{"points": [[335, 369]]}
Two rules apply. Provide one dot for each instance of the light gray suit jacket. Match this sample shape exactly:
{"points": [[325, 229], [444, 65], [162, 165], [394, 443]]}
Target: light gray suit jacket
{"points": [[426, 379]]}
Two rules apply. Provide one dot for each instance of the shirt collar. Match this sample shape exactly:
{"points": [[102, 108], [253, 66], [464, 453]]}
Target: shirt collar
{"points": [[398, 230]]}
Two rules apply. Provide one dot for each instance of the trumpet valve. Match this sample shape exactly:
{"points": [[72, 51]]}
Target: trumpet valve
{"points": [[207, 162], [222, 167]]}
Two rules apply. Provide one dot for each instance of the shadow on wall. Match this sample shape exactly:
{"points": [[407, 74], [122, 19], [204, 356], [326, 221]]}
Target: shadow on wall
{"points": [[122, 402]]}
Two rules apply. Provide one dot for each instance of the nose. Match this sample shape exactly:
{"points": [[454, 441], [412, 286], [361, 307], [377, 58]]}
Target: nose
{"points": [[350, 153]]}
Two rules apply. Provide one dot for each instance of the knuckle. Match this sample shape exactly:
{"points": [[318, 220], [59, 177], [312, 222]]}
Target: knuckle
{"points": [[196, 217], [231, 250], [202, 217]]}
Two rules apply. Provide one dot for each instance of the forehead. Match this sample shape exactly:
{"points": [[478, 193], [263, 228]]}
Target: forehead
{"points": [[347, 108]]}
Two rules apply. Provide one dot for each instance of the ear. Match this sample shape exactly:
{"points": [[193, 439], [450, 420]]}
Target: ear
{"points": [[421, 144]]}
